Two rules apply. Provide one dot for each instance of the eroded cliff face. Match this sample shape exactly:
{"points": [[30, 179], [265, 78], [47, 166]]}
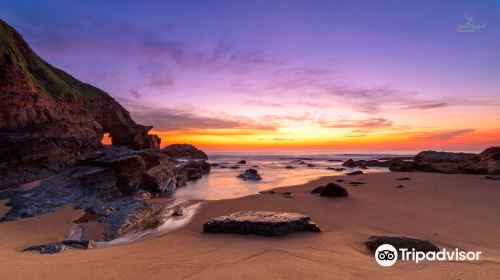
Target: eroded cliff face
{"points": [[51, 126], [48, 119]]}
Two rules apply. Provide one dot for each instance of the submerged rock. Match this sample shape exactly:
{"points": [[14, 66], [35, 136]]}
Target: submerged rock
{"points": [[261, 223], [250, 174], [400, 242], [242, 162]]}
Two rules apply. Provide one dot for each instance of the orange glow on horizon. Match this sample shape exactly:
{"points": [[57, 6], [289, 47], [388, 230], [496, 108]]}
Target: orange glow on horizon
{"points": [[234, 140]]}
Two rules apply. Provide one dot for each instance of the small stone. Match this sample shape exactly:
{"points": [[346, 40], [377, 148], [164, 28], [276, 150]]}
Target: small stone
{"points": [[287, 194]]}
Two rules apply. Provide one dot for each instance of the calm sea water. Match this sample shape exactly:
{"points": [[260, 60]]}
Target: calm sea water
{"points": [[222, 183]]}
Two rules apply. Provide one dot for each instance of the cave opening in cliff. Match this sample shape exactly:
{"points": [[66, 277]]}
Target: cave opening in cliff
{"points": [[106, 139]]}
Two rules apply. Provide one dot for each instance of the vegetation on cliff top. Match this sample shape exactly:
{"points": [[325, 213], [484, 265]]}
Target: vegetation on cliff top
{"points": [[40, 74]]}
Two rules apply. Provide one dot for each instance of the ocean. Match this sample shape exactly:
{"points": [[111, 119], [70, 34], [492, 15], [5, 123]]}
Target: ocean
{"points": [[222, 182]]}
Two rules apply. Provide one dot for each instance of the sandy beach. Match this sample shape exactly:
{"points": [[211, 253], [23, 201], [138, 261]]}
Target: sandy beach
{"points": [[453, 211]]}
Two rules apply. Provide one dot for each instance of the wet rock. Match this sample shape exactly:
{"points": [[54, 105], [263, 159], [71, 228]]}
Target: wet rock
{"points": [[356, 183], [289, 167], [310, 165], [334, 190], [339, 180], [399, 186], [56, 247], [403, 179], [234, 167], [261, 223], [214, 164], [184, 151], [486, 162], [126, 164], [242, 162], [250, 174], [357, 172], [492, 177], [402, 166], [401, 242]]}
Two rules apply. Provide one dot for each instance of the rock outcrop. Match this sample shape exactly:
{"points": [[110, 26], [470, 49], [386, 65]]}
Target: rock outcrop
{"points": [[250, 174], [48, 119], [487, 162], [261, 223], [184, 151], [51, 126]]}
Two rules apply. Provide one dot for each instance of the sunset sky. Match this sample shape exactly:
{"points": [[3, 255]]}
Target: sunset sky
{"points": [[285, 75]]}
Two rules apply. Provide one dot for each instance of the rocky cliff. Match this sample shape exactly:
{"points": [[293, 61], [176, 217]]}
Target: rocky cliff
{"points": [[51, 126], [48, 119]]}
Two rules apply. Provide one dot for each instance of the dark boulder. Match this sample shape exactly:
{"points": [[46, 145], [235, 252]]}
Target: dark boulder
{"points": [[349, 163], [401, 242], [261, 223], [242, 162], [402, 166], [250, 174], [334, 190]]}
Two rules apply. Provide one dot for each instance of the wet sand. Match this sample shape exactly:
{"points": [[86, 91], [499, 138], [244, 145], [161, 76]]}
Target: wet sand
{"points": [[450, 210]]}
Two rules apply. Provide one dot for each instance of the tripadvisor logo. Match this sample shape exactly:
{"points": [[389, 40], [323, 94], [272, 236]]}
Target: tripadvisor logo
{"points": [[387, 255]]}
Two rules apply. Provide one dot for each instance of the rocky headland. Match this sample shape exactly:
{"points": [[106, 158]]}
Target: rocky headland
{"points": [[487, 162], [51, 128]]}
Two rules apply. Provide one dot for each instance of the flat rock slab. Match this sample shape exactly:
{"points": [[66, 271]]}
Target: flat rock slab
{"points": [[261, 223], [401, 242], [56, 247]]}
